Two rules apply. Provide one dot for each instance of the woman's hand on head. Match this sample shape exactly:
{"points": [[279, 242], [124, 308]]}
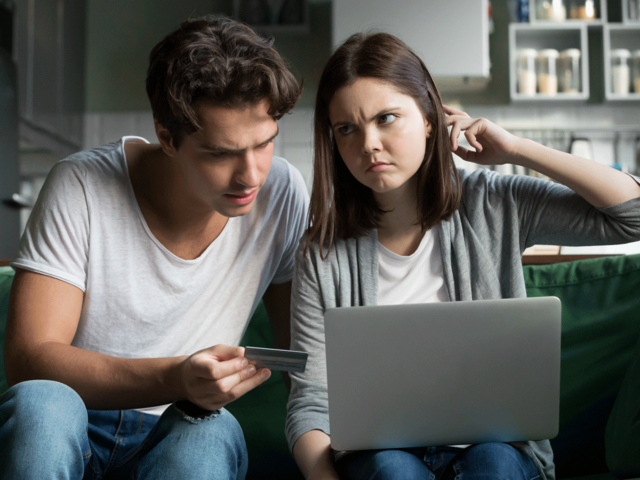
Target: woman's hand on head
{"points": [[493, 144]]}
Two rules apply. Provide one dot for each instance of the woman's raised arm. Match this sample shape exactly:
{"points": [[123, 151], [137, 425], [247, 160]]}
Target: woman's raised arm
{"points": [[598, 184]]}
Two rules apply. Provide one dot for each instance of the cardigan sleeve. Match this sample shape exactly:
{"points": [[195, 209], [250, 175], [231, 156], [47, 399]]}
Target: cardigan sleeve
{"points": [[308, 406], [553, 214]]}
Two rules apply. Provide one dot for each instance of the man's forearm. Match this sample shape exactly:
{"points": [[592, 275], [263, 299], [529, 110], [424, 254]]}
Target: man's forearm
{"points": [[102, 381]]}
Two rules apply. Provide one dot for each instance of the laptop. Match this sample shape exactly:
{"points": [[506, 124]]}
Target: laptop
{"points": [[448, 373]]}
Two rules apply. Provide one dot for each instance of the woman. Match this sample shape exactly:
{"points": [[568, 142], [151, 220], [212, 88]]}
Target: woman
{"points": [[392, 221]]}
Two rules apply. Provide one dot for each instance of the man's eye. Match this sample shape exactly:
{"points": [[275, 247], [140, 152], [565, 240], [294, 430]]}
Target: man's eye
{"points": [[386, 118], [218, 154], [345, 129]]}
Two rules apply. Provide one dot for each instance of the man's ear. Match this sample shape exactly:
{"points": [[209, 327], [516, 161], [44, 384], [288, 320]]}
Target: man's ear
{"points": [[165, 138]]}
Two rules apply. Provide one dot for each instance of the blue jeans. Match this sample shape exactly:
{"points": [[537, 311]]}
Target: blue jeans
{"points": [[46, 432], [486, 461]]}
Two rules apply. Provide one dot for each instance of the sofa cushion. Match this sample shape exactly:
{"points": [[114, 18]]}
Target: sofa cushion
{"points": [[600, 328], [6, 277]]}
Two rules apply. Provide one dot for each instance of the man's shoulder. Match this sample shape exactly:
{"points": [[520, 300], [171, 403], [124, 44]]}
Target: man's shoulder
{"points": [[105, 159], [284, 180]]}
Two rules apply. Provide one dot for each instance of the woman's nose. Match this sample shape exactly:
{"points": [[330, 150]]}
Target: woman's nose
{"points": [[371, 142]]}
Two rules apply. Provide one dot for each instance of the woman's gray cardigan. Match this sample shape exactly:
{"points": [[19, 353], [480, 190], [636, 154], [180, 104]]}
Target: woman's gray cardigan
{"points": [[481, 246]]}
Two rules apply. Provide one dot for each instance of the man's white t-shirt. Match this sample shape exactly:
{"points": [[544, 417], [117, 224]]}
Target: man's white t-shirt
{"points": [[141, 300]]}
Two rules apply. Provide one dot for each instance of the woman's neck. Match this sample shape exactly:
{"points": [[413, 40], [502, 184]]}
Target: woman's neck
{"points": [[399, 229]]}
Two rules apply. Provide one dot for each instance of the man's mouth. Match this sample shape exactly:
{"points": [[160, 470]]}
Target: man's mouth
{"points": [[242, 198]]}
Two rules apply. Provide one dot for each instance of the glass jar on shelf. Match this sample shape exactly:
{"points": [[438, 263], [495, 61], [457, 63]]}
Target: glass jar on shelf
{"points": [[526, 68], [635, 70], [547, 72], [620, 72], [569, 70], [582, 10], [554, 10]]}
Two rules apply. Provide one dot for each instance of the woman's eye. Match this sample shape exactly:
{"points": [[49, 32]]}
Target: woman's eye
{"points": [[345, 129], [386, 118]]}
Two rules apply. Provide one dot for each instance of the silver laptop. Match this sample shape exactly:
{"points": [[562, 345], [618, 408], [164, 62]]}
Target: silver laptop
{"points": [[443, 373]]}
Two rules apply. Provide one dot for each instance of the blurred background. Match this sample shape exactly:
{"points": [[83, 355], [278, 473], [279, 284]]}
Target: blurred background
{"points": [[565, 73]]}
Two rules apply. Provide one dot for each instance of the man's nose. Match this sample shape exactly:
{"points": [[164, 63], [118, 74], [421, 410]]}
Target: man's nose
{"points": [[247, 173]]}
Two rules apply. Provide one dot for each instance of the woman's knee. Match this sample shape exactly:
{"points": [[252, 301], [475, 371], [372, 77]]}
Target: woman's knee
{"points": [[494, 461], [382, 465]]}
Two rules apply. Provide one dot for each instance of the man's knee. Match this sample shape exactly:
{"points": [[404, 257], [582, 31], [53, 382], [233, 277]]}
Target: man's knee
{"points": [[215, 437], [44, 420], [44, 403]]}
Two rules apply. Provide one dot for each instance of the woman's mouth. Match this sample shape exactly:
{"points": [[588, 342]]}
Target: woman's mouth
{"points": [[378, 167]]}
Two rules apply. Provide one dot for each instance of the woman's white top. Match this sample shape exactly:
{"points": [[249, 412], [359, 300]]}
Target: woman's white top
{"points": [[416, 278]]}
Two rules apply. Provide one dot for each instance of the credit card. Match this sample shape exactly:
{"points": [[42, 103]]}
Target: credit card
{"points": [[274, 359]]}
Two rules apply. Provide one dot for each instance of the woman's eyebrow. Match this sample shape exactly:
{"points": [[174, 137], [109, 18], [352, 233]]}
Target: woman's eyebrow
{"points": [[381, 112]]}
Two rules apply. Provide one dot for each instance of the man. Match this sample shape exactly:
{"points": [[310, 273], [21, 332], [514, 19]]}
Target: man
{"points": [[141, 266]]}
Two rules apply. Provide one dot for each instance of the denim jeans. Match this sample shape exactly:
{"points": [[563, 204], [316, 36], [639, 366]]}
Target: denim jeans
{"points": [[46, 432], [486, 461]]}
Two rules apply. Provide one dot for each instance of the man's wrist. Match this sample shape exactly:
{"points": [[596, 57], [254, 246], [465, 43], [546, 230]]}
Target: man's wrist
{"points": [[173, 378]]}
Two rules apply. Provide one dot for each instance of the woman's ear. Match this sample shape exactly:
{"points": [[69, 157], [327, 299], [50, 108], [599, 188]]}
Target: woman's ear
{"points": [[427, 128]]}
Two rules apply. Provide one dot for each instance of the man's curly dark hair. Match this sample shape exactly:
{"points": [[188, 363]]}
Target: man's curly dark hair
{"points": [[218, 60]]}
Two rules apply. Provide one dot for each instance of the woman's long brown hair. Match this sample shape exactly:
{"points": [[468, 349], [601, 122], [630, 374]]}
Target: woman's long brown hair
{"points": [[341, 206]]}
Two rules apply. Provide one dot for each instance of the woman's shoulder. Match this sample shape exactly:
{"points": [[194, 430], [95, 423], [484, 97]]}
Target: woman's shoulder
{"points": [[330, 251]]}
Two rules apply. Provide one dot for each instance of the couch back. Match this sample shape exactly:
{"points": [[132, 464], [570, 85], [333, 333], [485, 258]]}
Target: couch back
{"points": [[600, 328]]}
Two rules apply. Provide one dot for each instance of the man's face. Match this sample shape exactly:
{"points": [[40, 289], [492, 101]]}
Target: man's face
{"points": [[227, 162]]}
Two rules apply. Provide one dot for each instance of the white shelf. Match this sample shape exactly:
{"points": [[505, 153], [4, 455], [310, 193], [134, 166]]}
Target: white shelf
{"points": [[620, 35], [559, 97], [617, 97], [541, 35]]}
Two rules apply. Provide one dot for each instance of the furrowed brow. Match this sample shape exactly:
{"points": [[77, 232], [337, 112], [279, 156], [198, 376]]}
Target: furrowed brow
{"points": [[229, 151]]}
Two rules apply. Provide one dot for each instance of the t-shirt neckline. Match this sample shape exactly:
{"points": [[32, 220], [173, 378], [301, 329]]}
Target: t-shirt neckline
{"points": [[134, 200], [385, 251]]}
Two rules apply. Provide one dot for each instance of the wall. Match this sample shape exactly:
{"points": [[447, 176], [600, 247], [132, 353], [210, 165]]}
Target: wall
{"points": [[121, 34]]}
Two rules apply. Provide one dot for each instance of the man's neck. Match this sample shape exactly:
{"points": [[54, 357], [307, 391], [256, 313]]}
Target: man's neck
{"points": [[185, 226]]}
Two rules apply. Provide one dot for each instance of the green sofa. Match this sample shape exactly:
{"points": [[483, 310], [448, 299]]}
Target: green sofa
{"points": [[600, 328]]}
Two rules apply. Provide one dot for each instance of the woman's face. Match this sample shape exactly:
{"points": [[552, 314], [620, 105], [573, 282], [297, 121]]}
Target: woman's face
{"points": [[381, 133]]}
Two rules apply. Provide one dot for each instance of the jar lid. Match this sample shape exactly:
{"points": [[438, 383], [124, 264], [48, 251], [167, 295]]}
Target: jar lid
{"points": [[548, 53], [621, 53], [571, 52], [527, 52]]}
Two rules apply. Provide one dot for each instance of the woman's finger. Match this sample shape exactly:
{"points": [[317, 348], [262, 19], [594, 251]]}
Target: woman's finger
{"points": [[454, 111], [473, 141], [466, 155], [455, 133]]}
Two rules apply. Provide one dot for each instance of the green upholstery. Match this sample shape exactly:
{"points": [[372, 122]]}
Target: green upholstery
{"points": [[600, 326], [6, 277], [262, 413]]}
